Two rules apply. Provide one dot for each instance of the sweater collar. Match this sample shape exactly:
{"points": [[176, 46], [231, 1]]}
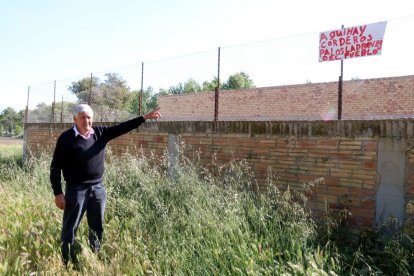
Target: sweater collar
{"points": [[88, 134]]}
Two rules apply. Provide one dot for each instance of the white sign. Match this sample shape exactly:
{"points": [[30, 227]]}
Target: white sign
{"points": [[359, 41]]}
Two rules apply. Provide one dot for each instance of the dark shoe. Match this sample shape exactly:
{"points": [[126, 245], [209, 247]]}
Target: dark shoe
{"points": [[64, 249], [70, 252], [94, 242], [75, 250]]}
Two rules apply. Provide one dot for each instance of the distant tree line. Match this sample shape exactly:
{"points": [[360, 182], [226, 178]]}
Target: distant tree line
{"points": [[11, 122], [113, 92], [112, 98]]}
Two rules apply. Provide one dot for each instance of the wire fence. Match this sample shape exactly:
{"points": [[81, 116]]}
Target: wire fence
{"points": [[123, 93]]}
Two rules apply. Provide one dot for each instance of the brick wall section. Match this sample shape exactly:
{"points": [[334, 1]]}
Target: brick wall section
{"points": [[42, 138], [343, 153], [347, 165], [380, 98], [137, 141]]}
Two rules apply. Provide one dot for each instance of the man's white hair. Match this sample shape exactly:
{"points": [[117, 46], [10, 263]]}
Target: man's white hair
{"points": [[82, 108]]}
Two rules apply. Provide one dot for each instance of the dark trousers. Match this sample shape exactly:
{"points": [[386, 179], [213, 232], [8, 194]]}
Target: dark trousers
{"points": [[81, 198]]}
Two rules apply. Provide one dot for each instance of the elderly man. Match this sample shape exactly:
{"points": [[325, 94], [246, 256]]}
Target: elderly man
{"points": [[79, 155]]}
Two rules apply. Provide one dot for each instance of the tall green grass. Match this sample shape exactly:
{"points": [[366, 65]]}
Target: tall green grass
{"points": [[182, 219], [11, 152]]}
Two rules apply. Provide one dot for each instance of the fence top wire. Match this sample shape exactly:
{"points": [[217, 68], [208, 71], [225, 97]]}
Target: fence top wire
{"points": [[272, 62]]}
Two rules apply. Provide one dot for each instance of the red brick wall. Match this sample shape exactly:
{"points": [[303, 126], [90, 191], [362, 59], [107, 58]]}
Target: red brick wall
{"points": [[362, 99], [347, 166], [42, 138], [343, 153]]}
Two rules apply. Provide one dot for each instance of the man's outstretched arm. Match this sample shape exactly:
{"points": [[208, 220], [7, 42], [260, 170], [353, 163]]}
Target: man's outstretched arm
{"points": [[155, 114]]}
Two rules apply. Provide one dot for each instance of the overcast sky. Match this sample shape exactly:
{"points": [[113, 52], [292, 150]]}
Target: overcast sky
{"points": [[48, 40]]}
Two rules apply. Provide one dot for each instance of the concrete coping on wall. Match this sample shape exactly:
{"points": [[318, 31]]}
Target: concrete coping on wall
{"points": [[346, 128]]}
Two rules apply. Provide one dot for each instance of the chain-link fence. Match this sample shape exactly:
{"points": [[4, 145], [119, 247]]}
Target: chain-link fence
{"points": [[123, 93]]}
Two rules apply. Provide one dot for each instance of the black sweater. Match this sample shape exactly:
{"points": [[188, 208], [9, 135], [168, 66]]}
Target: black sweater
{"points": [[81, 160]]}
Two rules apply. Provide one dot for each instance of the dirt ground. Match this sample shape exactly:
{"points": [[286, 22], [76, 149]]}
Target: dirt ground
{"points": [[10, 141]]}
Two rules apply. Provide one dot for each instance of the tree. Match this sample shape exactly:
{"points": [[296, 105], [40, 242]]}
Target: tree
{"points": [[83, 87], [63, 111], [176, 89], [11, 122], [192, 86], [210, 85], [112, 92], [238, 81], [41, 114], [163, 92], [149, 101]]}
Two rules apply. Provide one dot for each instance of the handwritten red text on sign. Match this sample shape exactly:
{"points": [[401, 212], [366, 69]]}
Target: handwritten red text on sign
{"points": [[360, 41]]}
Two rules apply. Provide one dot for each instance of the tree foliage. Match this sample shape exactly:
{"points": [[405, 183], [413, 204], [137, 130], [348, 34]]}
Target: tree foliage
{"points": [[149, 101], [239, 80], [82, 88], [210, 85], [190, 86], [11, 122], [43, 113], [112, 92]]}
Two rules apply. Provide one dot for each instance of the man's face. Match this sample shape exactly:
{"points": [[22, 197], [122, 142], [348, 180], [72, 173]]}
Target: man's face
{"points": [[83, 122]]}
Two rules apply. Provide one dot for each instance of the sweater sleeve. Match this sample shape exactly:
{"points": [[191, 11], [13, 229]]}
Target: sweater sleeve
{"points": [[56, 168], [117, 130]]}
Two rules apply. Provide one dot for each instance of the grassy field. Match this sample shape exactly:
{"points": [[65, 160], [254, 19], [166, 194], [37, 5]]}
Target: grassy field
{"points": [[10, 148], [187, 221]]}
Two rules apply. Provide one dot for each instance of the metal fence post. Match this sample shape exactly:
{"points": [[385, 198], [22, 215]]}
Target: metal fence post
{"points": [[90, 91], [61, 111], [341, 78], [140, 111], [26, 115], [54, 103], [216, 91], [26, 120]]}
